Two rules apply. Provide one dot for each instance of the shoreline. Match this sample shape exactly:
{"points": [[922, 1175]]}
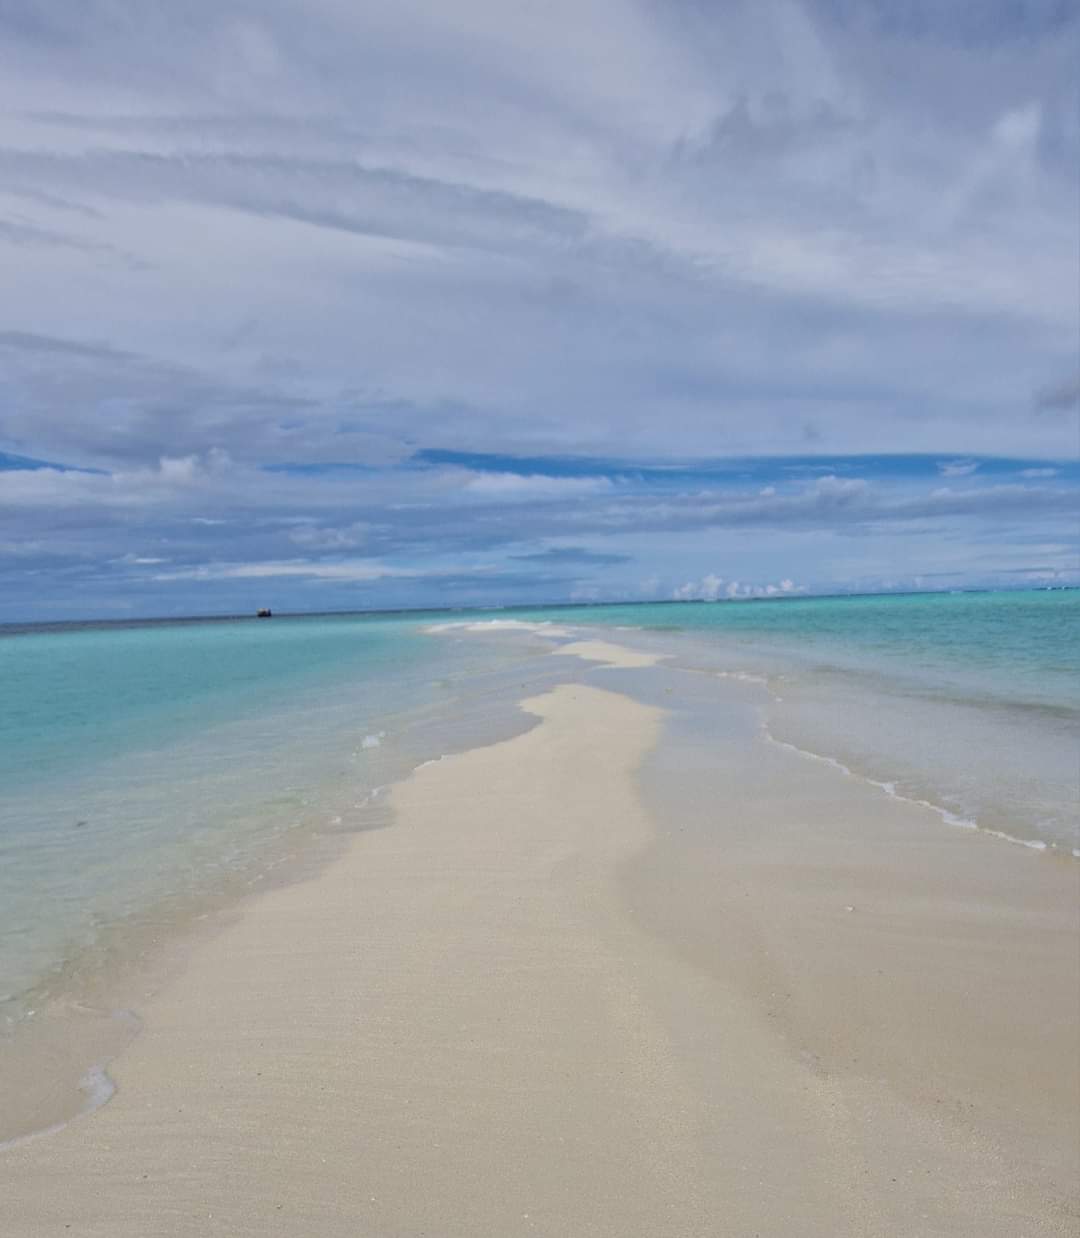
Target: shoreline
{"points": [[927, 980], [262, 984], [67, 1028], [947, 816], [551, 987], [165, 826]]}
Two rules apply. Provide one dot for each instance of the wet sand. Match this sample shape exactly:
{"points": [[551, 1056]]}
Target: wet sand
{"points": [[531, 1007], [609, 654]]}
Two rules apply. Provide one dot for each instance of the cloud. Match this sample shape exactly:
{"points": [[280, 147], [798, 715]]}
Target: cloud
{"points": [[355, 570], [713, 588], [424, 286], [344, 574], [1063, 395], [555, 555], [707, 589], [833, 502], [513, 486], [9, 461], [315, 537], [957, 468], [15, 232], [625, 226], [1019, 128]]}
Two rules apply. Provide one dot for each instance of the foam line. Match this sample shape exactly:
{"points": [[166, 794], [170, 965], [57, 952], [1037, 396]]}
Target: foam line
{"points": [[98, 1088], [949, 817]]}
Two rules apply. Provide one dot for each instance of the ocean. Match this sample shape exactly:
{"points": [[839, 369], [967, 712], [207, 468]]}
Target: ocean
{"points": [[144, 764], [969, 702], [147, 766]]}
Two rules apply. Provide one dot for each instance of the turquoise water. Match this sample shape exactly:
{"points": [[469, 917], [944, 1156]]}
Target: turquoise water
{"points": [[79, 696], [1016, 647], [140, 763], [968, 702]]}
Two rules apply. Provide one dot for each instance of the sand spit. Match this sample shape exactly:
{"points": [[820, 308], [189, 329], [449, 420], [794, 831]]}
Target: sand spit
{"points": [[608, 653], [465, 1027], [440, 1034]]}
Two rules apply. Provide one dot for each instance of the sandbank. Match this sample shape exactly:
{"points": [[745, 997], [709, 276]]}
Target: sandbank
{"points": [[609, 654], [531, 1006]]}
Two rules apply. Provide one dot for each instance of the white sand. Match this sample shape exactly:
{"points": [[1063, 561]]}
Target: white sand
{"points": [[464, 1027], [608, 653], [441, 1034]]}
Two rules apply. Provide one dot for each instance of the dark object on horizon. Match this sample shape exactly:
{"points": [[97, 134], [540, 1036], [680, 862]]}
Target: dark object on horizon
{"points": [[264, 613]]}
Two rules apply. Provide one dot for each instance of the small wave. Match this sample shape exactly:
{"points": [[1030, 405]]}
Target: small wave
{"points": [[813, 756], [744, 677], [98, 1088], [1036, 844], [95, 1085], [373, 741], [368, 796], [948, 816], [433, 761], [543, 628]]}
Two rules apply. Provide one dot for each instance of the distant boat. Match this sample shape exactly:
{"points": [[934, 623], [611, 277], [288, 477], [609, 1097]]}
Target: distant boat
{"points": [[264, 613]]}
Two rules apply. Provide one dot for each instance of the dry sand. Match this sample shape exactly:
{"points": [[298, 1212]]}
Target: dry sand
{"points": [[468, 1026]]}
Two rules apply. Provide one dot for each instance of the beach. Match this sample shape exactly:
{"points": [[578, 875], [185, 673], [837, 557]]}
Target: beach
{"points": [[539, 610], [633, 970]]}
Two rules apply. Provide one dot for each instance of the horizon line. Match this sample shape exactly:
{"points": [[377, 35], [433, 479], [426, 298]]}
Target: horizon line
{"points": [[234, 616]]}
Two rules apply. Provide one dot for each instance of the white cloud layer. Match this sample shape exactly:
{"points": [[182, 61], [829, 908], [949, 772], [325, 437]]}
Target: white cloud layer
{"points": [[318, 238]]}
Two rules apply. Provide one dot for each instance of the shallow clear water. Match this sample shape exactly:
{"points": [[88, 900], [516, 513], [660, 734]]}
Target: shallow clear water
{"points": [[970, 702], [144, 762], [1014, 647]]}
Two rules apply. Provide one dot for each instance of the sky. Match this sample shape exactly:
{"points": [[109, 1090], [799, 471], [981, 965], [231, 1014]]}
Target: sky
{"points": [[335, 305]]}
